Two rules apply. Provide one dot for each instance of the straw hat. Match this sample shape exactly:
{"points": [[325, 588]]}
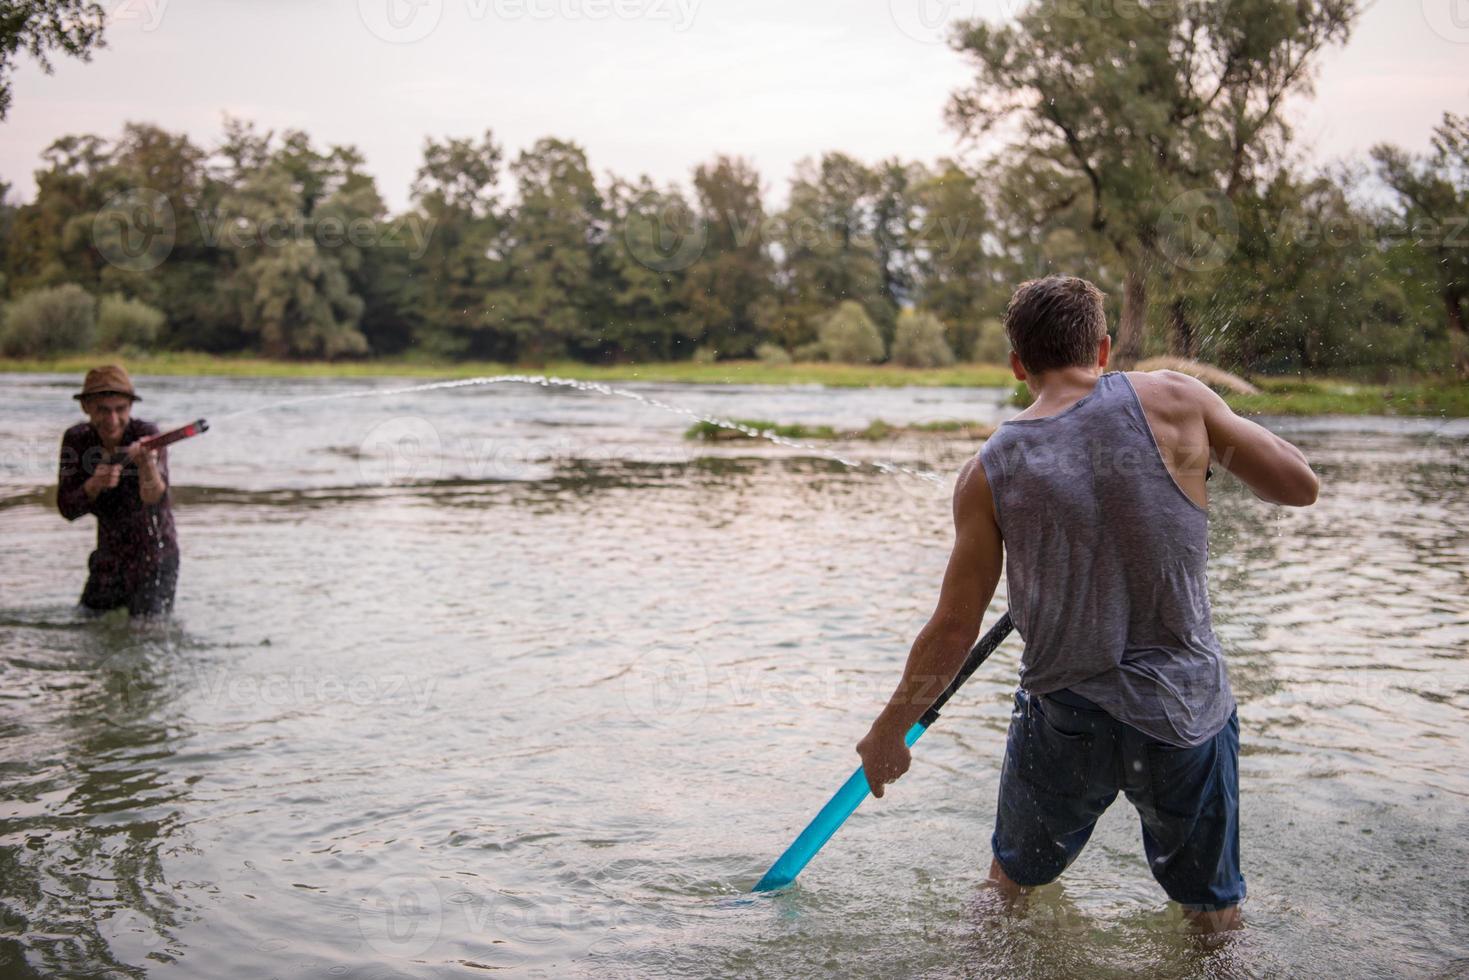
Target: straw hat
{"points": [[109, 379]]}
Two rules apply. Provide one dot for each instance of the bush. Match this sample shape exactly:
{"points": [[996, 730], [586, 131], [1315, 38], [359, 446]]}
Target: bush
{"points": [[48, 322], [123, 322], [773, 354], [705, 355], [711, 432], [919, 341], [991, 346], [848, 335], [810, 352]]}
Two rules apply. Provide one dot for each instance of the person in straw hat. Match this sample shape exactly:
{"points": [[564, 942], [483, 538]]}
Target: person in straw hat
{"points": [[106, 472]]}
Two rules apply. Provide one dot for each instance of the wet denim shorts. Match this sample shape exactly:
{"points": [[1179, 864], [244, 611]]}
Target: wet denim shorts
{"points": [[1064, 764]]}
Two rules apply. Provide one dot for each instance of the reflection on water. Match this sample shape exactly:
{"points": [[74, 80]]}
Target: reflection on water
{"points": [[552, 698]]}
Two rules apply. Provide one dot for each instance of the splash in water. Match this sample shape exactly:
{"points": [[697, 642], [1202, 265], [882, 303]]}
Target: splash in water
{"points": [[545, 381]]}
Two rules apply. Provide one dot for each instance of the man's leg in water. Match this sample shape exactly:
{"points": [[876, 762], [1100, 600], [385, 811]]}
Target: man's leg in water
{"points": [[104, 590], [153, 596], [1220, 920], [1188, 801], [1001, 882], [1059, 776]]}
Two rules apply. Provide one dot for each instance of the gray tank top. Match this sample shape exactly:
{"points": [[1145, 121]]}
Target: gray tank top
{"points": [[1105, 558]]}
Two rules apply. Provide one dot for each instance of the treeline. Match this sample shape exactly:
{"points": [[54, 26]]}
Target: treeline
{"points": [[1164, 177]]}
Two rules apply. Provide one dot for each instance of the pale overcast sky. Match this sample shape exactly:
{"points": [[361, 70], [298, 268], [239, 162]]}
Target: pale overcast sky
{"points": [[646, 86]]}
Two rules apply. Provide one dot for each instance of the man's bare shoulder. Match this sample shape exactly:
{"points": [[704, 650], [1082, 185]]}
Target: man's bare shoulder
{"points": [[1167, 382], [972, 494], [1170, 393]]}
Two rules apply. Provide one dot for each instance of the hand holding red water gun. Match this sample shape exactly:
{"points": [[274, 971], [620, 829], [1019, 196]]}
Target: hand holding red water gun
{"points": [[147, 447]]}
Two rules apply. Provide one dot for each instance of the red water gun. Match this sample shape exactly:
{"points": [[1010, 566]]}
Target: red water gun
{"points": [[162, 439]]}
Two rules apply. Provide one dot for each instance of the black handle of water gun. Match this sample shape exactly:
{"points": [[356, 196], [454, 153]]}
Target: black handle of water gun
{"points": [[977, 655]]}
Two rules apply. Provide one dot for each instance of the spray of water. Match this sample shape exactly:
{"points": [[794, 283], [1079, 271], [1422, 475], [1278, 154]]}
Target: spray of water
{"points": [[545, 381]]}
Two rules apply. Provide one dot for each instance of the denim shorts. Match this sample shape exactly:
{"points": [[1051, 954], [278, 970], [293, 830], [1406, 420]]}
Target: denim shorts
{"points": [[1064, 764]]}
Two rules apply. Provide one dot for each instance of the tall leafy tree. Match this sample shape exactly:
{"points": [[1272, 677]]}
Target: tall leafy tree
{"points": [[40, 27], [830, 241], [456, 194], [1432, 204], [1306, 289], [963, 275], [1157, 119], [156, 169], [7, 230], [655, 235], [896, 220], [376, 252], [729, 291], [48, 246], [546, 297], [291, 285]]}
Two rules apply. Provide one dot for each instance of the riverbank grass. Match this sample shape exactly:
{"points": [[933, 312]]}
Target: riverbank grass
{"points": [[1442, 396], [688, 372]]}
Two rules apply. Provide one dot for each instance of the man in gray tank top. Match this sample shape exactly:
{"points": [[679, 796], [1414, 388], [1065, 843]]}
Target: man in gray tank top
{"points": [[1093, 501]]}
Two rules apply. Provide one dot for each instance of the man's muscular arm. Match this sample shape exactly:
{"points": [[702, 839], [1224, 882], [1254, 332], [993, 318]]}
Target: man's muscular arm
{"points": [[1274, 469], [938, 652]]}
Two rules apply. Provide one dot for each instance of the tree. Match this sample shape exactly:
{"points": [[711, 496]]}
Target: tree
{"points": [[896, 220], [829, 241], [1157, 115], [545, 299], [132, 216], [288, 278], [847, 334], [7, 228], [919, 341], [456, 196], [1306, 289], [1432, 202], [39, 27], [729, 290], [163, 179], [654, 236], [963, 275], [46, 246]]}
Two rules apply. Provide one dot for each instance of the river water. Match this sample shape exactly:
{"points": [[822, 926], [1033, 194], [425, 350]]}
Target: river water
{"points": [[516, 677]]}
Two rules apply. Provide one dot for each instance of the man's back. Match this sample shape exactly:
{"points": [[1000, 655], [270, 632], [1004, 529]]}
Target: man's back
{"points": [[1105, 557]]}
